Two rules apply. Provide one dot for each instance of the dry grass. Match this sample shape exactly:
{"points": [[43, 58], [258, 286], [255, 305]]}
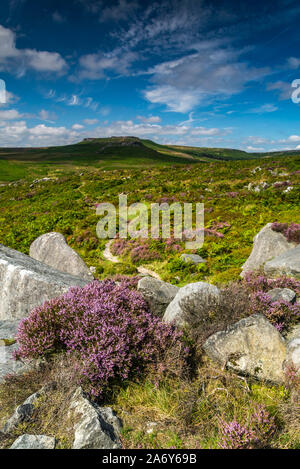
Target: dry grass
{"points": [[207, 319], [50, 415]]}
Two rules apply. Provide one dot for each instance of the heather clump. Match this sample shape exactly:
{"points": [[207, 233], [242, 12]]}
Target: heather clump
{"points": [[290, 230], [281, 314], [138, 250], [239, 300], [254, 433], [106, 328]]}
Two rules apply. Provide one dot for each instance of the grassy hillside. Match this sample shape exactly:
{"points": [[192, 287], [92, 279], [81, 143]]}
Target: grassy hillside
{"points": [[189, 412], [111, 153], [67, 204]]}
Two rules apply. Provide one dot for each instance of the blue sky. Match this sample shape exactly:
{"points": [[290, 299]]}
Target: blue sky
{"points": [[191, 72]]}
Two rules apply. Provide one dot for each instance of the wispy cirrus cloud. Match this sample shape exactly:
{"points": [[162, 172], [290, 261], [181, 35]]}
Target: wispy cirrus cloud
{"points": [[72, 100]]}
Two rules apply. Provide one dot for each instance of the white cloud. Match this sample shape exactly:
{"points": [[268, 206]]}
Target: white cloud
{"points": [[47, 115], [45, 61], [255, 149], [20, 134], [119, 12], [150, 120], [97, 66], [90, 121], [256, 140], [293, 63], [283, 88], [18, 61], [214, 71], [176, 101], [294, 138], [77, 127], [58, 18], [263, 109], [10, 114], [73, 100]]}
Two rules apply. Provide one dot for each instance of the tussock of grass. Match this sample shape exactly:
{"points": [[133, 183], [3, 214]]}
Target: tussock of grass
{"points": [[188, 412]]}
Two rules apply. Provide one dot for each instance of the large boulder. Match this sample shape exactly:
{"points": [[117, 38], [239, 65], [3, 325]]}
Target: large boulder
{"points": [[26, 283], [190, 297], [96, 427], [287, 263], [266, 245], [52, 249], [157, 293], [34, 442], [250, 347]]}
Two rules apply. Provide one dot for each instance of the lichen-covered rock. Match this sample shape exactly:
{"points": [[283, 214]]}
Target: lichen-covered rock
{"points": [[96, 427], [282, 294], [34, 442], [52, 249], [26, 283], [189, 297], [266, 245], [287, 263], [157, 293], [251, 347]]}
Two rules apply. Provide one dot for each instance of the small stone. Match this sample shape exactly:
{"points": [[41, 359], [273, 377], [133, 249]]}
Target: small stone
{"points": [[192, 259], [96, 427], [34, 442], [284, 294]]}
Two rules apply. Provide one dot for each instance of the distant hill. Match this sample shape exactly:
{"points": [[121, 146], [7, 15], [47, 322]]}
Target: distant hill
{"points": [[113, 153]]}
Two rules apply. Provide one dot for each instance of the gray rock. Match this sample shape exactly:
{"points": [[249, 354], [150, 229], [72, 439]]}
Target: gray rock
{"points": [[8, 329], [190, 296], [293, 347], [23, 413], [262, 186], [52, 249], [192, 259], [284, 294], [250, 347], [287, 263], [293, 353], [8, 365], [26, 283], [266, 245], [96, 427], [293, 333], [157, 293], [34, 442]]}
